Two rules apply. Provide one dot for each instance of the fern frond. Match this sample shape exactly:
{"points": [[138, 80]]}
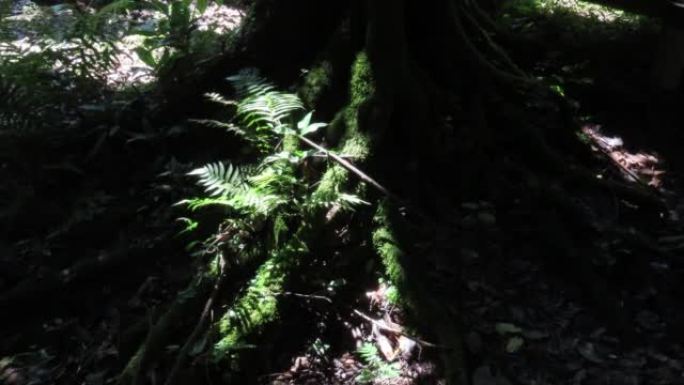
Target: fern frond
{"points": [[261, 105], [262, 202], [248, 83], [368, 353], [218, 124], [269, 110], [217, 98], [197, 203], [220, 179]]}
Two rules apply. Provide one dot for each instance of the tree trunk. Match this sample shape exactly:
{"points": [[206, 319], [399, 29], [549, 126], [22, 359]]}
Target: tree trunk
{"points": [[422, 97]]}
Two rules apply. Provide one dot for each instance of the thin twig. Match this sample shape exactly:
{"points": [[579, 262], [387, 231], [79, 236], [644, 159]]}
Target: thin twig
{"points": [[306, 296], [366, 178], [351, 168]]}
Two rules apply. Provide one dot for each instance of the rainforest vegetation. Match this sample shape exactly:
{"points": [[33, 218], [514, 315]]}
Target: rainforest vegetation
{"points": [[341, 192]]}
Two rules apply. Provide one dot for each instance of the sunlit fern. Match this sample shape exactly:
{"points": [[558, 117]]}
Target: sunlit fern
{"points": [[263, 117], [262, 107], [263, 113], [375, 368], [248, 83], [220, 179], [249, 189]]}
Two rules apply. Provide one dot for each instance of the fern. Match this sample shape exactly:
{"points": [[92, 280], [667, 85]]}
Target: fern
{"points": [[248, 83], [375, 368], [226, 126], [269, 111], [242, 188], [220, 179], [217, 98], [262, 107]]}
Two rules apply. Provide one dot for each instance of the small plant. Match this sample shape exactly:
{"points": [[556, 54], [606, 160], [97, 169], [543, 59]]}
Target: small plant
{"points": [[375, 368], [271, 190], [169, 38]]}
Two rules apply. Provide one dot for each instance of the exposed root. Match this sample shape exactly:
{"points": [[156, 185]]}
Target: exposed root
{"points": [[479, 57], [406, 272], [201, 326], [153, 346]]}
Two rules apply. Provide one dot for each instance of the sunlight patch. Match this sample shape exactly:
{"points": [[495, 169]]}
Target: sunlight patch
{"points": [[45, 30], [220, 19], [635, 167], [586, 10]]}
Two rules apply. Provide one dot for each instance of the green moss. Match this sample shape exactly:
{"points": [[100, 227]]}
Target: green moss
{"points": [[290, 143], [387, 248], [355, 143], [258, 306], [315, 83], [362, 82]]}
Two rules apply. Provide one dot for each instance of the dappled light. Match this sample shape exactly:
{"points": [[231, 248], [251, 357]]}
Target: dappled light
{"points": [[46, 30], [637, 167], [584, 9]]}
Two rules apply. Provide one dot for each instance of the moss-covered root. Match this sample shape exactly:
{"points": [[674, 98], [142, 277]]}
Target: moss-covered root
{"points": [[187, 302], [410, 279], [258, 305]]}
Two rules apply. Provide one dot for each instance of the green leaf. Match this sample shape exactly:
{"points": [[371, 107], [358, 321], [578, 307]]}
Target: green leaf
{"points": [[202, 6], [180, 16], [279, 228], [146, 56], [304, 123], [313, 128], [305, 126], [514, 344]]}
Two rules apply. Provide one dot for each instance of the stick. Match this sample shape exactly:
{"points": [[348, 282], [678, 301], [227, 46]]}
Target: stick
{"points": [[351, 168], [386, 328]]}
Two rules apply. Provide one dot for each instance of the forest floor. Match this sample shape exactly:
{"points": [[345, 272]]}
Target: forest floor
{"points": [[92, 251]]}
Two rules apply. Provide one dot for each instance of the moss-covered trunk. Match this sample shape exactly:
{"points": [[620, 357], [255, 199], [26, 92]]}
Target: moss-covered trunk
{"points": [[409, 89]]}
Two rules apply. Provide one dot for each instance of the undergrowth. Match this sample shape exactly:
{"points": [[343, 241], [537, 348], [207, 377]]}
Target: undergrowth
{"points": [[375, 368], [269, 201]]}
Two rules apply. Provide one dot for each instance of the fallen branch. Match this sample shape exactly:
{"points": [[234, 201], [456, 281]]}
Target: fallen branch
{"points": [[384, 327], [351, 168]]}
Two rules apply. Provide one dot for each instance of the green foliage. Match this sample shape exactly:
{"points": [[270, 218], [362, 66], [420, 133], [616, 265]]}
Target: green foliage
{"points": [[248, 83], [265, 117], [220, 179], [60, 38], [169, 37], [375, 368], [317, 80], [49, 58], [390, 254], [269, 192], [174, 34]]}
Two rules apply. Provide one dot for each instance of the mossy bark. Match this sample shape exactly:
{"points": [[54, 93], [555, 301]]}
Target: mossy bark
{"points": [[407, 269]]}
